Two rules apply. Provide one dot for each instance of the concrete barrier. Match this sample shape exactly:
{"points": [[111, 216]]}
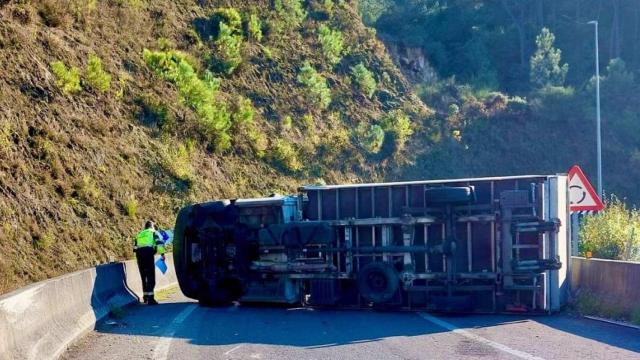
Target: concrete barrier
{"points": [[615, 281], [41, 320]]}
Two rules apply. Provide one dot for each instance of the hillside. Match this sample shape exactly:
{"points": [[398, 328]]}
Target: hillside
{"points": [[116, 111], [509, 104]]}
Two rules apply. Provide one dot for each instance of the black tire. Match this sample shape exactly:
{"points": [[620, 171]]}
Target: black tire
{"points": [[188, 285], [378, 282], [188, 220], [450, 195]]}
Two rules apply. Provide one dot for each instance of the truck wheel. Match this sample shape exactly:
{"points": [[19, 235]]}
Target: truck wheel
{"points": [[181, 254], [449, 195], [189, 220], [378, 282]]}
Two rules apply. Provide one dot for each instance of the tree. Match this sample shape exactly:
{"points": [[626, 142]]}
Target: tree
{"points": [[545, 62]]}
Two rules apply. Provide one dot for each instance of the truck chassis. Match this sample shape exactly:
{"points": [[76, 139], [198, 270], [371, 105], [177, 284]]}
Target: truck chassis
{"points": [[469, 245]]}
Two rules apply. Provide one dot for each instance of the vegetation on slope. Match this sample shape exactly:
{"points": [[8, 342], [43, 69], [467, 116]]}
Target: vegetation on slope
{"points": [[513, 85], [115, 111]]}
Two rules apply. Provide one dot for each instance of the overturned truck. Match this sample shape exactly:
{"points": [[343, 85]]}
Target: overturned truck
{"points": [[466, 245]]}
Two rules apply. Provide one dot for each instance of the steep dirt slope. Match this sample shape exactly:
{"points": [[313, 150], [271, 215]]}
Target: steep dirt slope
{"points": [[80, 170]]}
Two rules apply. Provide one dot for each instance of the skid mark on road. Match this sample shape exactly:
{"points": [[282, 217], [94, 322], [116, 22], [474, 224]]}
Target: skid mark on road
{"points": [[161, 350], [480, 339]]}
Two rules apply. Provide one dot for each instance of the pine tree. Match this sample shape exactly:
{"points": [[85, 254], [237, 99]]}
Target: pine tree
{"points": [[545, 62]]}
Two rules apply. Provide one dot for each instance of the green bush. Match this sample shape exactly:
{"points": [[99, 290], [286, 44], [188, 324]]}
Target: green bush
{"points": [[68, 79], [287, 122], [370, 137], [286, 155], [612, 234], [244, 125], [229, 46], [197, 93], [332, 43], [229, 16], [96, 77], [364, 80], [131, 207], [245, 112], [254, 26], [290, 15], [316, 84], [398, 124], [176, 160]]}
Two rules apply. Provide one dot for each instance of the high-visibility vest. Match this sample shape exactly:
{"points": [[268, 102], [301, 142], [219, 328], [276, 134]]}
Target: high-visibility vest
{"points": [[146, 237]]}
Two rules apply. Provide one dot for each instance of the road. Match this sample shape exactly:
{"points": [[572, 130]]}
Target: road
{"points": [[180, 329]]}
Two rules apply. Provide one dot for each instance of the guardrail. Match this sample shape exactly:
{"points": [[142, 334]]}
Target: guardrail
{"points": [[40, 321], [618, 281]]}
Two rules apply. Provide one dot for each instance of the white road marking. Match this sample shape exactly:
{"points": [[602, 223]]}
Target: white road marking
{"points": [[480, 339], [161, 350], [232, 350]]}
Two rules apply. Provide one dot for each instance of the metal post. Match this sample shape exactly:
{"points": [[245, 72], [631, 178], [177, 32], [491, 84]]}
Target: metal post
{"points": [[599, 134]]}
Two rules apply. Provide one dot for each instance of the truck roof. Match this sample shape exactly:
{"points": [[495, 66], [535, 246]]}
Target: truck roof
{"points": [[423, 182]]}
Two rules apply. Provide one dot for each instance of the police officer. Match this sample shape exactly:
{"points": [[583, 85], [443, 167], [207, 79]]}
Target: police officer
{"points": [[148, 243]]}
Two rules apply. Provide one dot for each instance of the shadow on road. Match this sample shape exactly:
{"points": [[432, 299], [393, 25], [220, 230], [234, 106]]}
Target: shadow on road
{"points": [[312, 328]]}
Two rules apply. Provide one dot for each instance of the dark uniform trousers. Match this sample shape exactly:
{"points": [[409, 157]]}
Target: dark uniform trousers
{"points": [[146, 265]]}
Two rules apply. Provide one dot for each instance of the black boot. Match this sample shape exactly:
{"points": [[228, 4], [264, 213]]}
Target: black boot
{"points": [[151, 300], [145, 299]]}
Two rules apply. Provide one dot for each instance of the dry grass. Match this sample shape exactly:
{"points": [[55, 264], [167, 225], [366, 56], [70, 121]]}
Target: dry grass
{"points": [[79, 173]]}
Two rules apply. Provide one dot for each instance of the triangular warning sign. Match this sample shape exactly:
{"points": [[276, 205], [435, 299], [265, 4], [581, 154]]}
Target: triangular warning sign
{"points": [[582, 196]]}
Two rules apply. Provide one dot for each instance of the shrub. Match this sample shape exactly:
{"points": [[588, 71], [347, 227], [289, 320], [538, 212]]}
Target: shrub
{"points": [[397, 124], [96, 77], [332, 43], [43, 241], [229, 46], [229, 16], [370, 137], [254, 26], [307, 122], [287, 122], [131, 208], [197, 93], [328, 5], [229, 40], [316, 84], [244, 124], [68, 79], [612, 234], [291, 14], [286, 155], [245, 112], [364, 80], [177, 161]]}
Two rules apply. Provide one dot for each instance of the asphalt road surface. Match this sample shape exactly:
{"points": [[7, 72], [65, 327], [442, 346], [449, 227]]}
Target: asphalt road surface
{"points": [[180, 329]]}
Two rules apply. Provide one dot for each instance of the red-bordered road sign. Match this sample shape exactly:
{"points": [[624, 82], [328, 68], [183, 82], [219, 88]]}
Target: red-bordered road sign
{"points": [[582, 196]]}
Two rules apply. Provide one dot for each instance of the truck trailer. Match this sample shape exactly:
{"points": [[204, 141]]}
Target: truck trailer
{"points": [[488, 245]]}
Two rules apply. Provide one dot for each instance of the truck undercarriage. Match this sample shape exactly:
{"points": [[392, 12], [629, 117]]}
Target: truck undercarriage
{"points": [[477, 245]]}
